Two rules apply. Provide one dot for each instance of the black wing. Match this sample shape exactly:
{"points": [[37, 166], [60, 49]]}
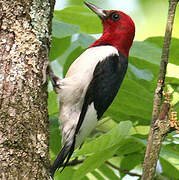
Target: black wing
{"points": [[107, 78]]}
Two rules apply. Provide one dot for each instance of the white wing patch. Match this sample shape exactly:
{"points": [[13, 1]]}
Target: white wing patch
{"points": [[88, 60]]}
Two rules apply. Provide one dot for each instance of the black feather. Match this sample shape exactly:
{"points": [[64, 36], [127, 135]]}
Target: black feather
{"points": [[65, 153], [107, 79]]}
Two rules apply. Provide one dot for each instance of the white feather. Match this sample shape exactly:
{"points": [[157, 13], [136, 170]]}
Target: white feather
{"points": [[73, 89]]}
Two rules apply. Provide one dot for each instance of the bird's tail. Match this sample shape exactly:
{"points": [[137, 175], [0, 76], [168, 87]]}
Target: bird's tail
{"points": [[65, 153]]}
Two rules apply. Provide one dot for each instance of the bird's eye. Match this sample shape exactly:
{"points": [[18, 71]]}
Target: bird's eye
{"points": [[115, 17]]}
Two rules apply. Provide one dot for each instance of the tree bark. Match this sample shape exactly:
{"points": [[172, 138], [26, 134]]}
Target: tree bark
{"points": [[25, 35]]}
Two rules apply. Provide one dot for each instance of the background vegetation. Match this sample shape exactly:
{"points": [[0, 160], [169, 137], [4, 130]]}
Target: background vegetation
{"points": [[117, 145]]}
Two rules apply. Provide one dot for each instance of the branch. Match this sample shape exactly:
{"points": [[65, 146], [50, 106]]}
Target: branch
{"points": [[123, 170], [157, 134], [160, 125]]}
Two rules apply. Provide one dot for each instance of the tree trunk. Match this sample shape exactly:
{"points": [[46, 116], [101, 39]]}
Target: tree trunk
{"points": [[25, 34]]}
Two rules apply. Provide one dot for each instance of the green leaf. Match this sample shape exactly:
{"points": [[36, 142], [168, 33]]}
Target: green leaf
{"points": [[97, 175], [113, 137], [85, 40], [62, 59], [171, 153], [57, 69], [85, 178], [142, 64], [130, 161], [66, 174], [168, 169], [105, 125], [108, 172], [172, 71], [177, 108], [144, 130], [62, 30], [144, 74], [150, 70], [174, 53], [71, 57], [130, 145], [55, 137], [94, 162], [77, 48], [146, 51], [172, 80], [82, 16], [52, 103], [58, 47], [169, 160]]}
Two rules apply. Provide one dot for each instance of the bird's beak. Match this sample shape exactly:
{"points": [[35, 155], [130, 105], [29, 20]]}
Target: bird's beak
{"points": [[100, 12]]}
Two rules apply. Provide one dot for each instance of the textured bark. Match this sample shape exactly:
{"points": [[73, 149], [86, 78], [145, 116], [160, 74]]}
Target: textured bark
{"points": [[157, 134], [25, 27]]}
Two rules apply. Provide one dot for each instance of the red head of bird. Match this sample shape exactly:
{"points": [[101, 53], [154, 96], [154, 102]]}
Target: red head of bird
{"points": [[118, 29]]}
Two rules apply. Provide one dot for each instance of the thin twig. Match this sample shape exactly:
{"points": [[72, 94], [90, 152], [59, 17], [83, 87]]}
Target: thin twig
{"points": [[76, 162], [160, 125], [122, 170], [157, 134]]}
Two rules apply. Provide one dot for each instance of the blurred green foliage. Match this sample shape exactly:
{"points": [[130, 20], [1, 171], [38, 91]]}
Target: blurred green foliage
{"points": [[121, 136]]}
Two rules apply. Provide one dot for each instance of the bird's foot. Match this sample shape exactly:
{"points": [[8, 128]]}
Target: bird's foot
{"points": [[44, 72], [56, 81]]}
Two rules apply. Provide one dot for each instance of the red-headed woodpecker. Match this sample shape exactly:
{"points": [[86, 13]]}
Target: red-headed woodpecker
{"points": [[92, 81]]}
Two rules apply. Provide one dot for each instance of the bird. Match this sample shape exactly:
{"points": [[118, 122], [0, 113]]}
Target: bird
{"points": [[92, 81]]}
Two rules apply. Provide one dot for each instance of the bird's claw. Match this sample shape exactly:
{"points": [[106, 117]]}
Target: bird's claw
{"points": [[44, 72], [56, 82]]}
